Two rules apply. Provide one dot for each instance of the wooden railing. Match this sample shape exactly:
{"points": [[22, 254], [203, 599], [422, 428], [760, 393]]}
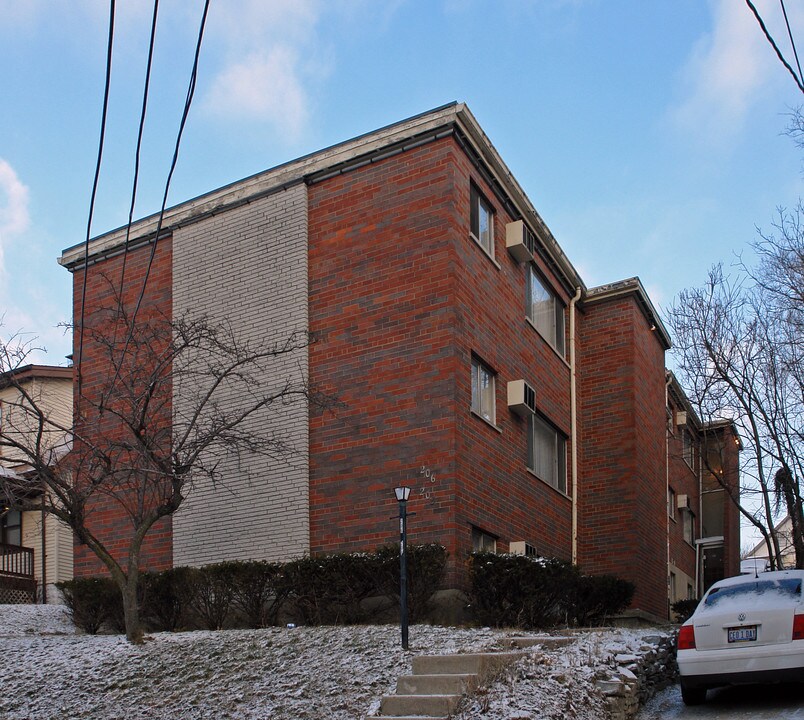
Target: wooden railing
{"points": [[16, 561]]}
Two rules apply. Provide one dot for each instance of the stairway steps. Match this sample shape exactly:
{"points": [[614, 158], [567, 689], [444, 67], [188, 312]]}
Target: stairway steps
{"points": [[436, 684], [422, 705]]}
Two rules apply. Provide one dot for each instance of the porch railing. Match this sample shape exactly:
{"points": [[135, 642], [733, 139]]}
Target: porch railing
{"points": [[16, 561]]}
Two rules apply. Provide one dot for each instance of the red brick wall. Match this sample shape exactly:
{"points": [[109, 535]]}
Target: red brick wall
{"points": [[400, 297], [497, 492], [622, 499], [381, 276], [106, 517], [731, 520]]}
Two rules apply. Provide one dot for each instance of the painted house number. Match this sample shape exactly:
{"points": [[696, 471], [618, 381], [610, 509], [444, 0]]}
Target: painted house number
{"points": [[427, 475]]}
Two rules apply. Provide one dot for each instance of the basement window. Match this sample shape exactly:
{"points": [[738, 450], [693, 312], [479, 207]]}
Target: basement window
{"points": [[482, 541]]}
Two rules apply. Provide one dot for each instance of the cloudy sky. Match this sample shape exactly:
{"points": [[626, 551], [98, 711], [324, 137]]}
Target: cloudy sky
{"points": [[649, 135]]}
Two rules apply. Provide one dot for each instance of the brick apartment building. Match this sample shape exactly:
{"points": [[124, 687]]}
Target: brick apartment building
{"points": [[529, 412]]}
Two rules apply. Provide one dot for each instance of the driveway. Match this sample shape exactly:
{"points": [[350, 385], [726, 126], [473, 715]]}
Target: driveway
{"points": [[751, 702]]}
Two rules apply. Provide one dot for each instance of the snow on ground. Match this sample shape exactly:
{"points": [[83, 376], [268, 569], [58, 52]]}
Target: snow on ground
{"points": [[49, 671]]}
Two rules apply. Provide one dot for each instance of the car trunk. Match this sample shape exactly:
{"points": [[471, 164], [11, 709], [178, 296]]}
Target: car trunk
{"points": [[746, 616]]}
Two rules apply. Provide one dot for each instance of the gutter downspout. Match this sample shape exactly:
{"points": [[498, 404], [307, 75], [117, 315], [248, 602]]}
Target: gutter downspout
{"points": [[668, 378], [44, 551], [574, 426], [698, 592]]}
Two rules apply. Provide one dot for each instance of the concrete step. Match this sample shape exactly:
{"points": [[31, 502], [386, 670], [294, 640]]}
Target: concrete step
{"points": [[482, 664], [548, 642], [429, 706], [436, 684], [407, 717]]}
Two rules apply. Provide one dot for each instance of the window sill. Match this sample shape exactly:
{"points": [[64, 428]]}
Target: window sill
{"points": [[488, 422], [485, 251], [547, 484], [547, 342]]}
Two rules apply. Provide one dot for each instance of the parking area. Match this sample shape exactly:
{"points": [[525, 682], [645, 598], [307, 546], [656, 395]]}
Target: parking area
{"points": [[749, 702]]}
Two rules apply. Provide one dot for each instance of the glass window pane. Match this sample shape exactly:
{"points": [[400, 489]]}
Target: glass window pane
{"points": [[542, 308], [546, 454], [484, 225], [483, 395]]}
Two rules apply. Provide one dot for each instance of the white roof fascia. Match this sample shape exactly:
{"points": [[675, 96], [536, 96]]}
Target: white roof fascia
{"points": [[286, 174]]}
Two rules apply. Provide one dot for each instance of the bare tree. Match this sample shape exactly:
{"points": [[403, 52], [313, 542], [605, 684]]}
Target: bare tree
{"points": [[738, 346], [132, 446]]}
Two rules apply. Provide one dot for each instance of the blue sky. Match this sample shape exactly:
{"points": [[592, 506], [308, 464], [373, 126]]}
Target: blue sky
{"points": [[649, 135]]}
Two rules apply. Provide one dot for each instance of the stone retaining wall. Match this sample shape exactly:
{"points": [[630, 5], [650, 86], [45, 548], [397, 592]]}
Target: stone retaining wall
{"points": [[637, 677]]}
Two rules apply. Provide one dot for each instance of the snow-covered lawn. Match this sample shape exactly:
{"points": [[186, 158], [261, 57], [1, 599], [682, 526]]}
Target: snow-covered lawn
{"points": [[49, 671]]}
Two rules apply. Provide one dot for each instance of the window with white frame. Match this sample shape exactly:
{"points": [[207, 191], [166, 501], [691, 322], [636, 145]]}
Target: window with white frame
{"points": [[671, 503], [482, 541], [482, 221], [483, 391], [545, 310], [547, 453]]}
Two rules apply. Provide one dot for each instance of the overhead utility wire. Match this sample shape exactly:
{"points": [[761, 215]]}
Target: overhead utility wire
{"points": [[790, 35], [187, 103], [775, 47], [135, 181], [139, 146], [92, 200]]}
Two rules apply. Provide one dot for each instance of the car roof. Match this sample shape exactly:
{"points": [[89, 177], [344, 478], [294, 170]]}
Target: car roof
{"points": [[751, 577]]}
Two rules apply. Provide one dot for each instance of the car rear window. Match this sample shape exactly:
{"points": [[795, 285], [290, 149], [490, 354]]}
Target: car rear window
{"points": [[788, 587]]}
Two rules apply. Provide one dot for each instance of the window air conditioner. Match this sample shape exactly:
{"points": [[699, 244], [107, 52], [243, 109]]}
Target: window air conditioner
{"points": [[684, 502], [681, 418], [521, 398], [520, 547], [520, 241]]}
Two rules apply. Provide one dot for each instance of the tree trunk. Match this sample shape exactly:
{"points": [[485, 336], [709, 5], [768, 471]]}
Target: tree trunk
{"points": [[131, 609]]}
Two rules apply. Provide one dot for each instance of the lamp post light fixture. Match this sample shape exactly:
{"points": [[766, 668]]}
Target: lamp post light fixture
{"points": [[402, 495]]}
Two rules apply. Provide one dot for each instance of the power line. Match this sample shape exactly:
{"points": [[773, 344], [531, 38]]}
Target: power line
{"points": [[790, 35], [138, 151], [774, 46], [135, 181], [187, 103], [107, 84]]}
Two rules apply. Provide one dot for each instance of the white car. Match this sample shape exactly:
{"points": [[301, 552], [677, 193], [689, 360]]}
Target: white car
{"points": [[746, 629]]}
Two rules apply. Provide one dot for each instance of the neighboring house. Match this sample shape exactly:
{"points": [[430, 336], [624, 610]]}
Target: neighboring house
{"points": [[784, 531], [528, 412], [26, 538]]}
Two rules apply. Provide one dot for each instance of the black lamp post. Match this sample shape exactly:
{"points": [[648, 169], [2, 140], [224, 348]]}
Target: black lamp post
{"points": [[402, 495]]}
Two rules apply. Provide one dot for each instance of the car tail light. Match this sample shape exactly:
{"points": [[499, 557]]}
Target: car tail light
{"points": [[798, 627], [686, 637]]}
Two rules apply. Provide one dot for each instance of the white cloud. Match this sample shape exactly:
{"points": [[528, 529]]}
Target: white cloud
{"points": [[14, 218], [263, 87], [727, 72], [268, 50]]}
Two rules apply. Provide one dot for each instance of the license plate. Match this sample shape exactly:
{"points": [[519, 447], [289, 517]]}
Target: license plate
{"points": [[747, 633]]}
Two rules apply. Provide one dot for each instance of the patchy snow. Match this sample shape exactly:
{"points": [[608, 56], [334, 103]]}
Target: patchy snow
{"points": [[49, 671]]}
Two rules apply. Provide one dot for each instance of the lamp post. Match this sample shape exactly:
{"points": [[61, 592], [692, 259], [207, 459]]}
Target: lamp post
{"points": [[402, 495]]}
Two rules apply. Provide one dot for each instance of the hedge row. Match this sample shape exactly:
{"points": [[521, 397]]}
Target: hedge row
{"points": [[332, 589], [530, 592]]}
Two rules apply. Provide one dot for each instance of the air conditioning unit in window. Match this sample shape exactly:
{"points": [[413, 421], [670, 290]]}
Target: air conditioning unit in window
{"points": [[521, 398], [681, 418], [520, 547], [520, 241], [684, 502]]}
